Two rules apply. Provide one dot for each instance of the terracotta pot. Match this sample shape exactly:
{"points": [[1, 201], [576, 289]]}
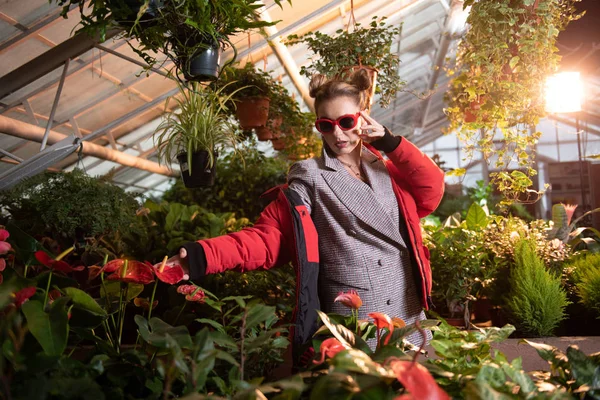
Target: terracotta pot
{"points": [[458, 322], [269, 131], [346, 72], [253, 112], [278, 144], [470, 116]]}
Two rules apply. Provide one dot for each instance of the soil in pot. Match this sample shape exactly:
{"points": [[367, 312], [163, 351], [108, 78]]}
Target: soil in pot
{"points": [[252, 112], [201, 175]]}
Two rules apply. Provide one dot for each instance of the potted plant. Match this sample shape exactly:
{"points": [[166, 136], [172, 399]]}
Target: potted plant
{"points": [[501, 67], [284, 113], [363, 47], [300, 140], [195, 132], [190, 33], [461, 263], [251, 91]]}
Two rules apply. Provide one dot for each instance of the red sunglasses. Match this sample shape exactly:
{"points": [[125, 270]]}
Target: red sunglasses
{"points": [[345, 122]]}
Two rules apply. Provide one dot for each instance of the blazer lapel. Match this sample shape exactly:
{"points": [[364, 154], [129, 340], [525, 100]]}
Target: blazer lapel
{"points": [[358, 197]]}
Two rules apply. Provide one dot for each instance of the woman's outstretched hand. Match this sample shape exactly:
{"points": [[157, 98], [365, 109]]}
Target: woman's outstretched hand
{"points": [[371, 130], [179, 259]]}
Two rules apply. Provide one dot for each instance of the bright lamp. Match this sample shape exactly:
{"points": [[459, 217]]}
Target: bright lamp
{"points": [[564, 92]]}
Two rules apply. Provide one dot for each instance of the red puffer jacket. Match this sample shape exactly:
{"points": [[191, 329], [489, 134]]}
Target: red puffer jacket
{"points": [[285, 232]]}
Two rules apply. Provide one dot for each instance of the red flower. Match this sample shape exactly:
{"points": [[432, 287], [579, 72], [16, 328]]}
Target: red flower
{"points": [[330, 347], [569, 210], [60, 266], [168, 272], [192, 293], [129, 271], [144, 303], [4, 245], [350, 299], [23, 295], [417, 380], [383, 321]]}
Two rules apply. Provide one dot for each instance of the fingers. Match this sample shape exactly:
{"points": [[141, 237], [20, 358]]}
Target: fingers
{"points": [[368, 118]]}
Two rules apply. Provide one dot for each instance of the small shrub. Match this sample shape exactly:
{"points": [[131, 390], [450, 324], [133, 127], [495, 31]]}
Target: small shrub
{"points": [[537, 300], [586, 275]]}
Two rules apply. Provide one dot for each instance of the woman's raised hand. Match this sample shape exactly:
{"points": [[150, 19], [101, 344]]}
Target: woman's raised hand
{"points": [[370, 129], [179, 259]]}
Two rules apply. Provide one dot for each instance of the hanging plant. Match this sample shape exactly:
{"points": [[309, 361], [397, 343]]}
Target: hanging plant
{"points": [[362, 47], [496, 94], [183, 30]]}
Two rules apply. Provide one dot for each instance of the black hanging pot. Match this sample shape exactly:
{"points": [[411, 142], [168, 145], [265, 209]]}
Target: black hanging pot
{"points": [[203, 66], [201, 174]]}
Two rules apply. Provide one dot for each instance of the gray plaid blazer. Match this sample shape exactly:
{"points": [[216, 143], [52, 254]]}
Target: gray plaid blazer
{"points": [[361, 236]]}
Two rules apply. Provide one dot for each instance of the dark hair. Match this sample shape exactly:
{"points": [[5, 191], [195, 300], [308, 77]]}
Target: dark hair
{"points": [[355, 87]]}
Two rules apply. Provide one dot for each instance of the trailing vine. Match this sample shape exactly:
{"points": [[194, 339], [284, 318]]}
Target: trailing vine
{"points": [[496, 96]]}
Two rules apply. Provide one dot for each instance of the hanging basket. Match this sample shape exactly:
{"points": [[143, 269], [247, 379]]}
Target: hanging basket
{"points": [[203, 66], [253, 112], [348, 71], [270, 130], [201, 174]]}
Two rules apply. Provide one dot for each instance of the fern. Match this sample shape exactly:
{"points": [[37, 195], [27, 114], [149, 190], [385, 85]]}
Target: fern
{"points": [[586, 274], [537, 300]]}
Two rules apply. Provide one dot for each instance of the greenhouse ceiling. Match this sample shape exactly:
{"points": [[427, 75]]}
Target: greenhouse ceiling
{"points": [[108, 102]]}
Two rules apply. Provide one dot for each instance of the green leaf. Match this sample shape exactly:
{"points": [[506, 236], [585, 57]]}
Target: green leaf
{"points": [[156, 332], [257, 314], [340, 332], [84, 301], [583, 368], [513, 62], [113, 288], [50, 329], [212, 323], [476, 217]]}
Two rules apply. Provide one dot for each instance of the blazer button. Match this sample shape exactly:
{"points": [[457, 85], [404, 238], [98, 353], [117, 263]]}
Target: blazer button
{"points": [[388, 302], [379, 262]]}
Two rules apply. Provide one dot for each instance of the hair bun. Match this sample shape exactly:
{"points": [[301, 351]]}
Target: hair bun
{"points": [[360, 79], [316, 82]]}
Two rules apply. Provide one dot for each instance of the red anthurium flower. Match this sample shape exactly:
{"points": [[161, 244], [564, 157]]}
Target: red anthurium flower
{"points": [[93, 272], [129, 271], [23, 295], [351, 299], [4, 245], [144, 303], [169, 273], [383, 321], [417, 380], [330, 347], [61, 266], [192, 293]]}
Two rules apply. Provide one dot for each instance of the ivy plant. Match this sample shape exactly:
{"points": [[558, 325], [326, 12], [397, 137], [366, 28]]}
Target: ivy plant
{"points": [[497, 90], [363, 46]]}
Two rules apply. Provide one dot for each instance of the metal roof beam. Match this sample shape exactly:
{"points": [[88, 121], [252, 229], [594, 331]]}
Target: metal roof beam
{"points": [[48, 62]]}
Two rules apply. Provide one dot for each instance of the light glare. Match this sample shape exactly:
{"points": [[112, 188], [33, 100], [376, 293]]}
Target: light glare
{"points": [[564, 92]]}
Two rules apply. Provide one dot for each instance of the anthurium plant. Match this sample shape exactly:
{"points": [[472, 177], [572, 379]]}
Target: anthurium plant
{"points": [[368, 46], [498, 82]]}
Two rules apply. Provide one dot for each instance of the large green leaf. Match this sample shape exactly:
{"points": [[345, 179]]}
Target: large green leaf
{"points": [[353, 360], [25, 246], [258, 313], [340, 332], [476, 217], [84, 301], [113, 289], [583, 368], [156, 332], [50, 329]]}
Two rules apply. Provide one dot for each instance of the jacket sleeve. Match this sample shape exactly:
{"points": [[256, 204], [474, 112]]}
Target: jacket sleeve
{"points": [[263, 246], [415, 171]]}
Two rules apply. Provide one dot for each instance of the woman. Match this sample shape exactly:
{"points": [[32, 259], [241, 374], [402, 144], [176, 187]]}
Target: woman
{"points": [[348, 220]]}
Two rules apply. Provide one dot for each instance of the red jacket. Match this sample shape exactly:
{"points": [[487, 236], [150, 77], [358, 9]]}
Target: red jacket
{"points": [[284, 232]]}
